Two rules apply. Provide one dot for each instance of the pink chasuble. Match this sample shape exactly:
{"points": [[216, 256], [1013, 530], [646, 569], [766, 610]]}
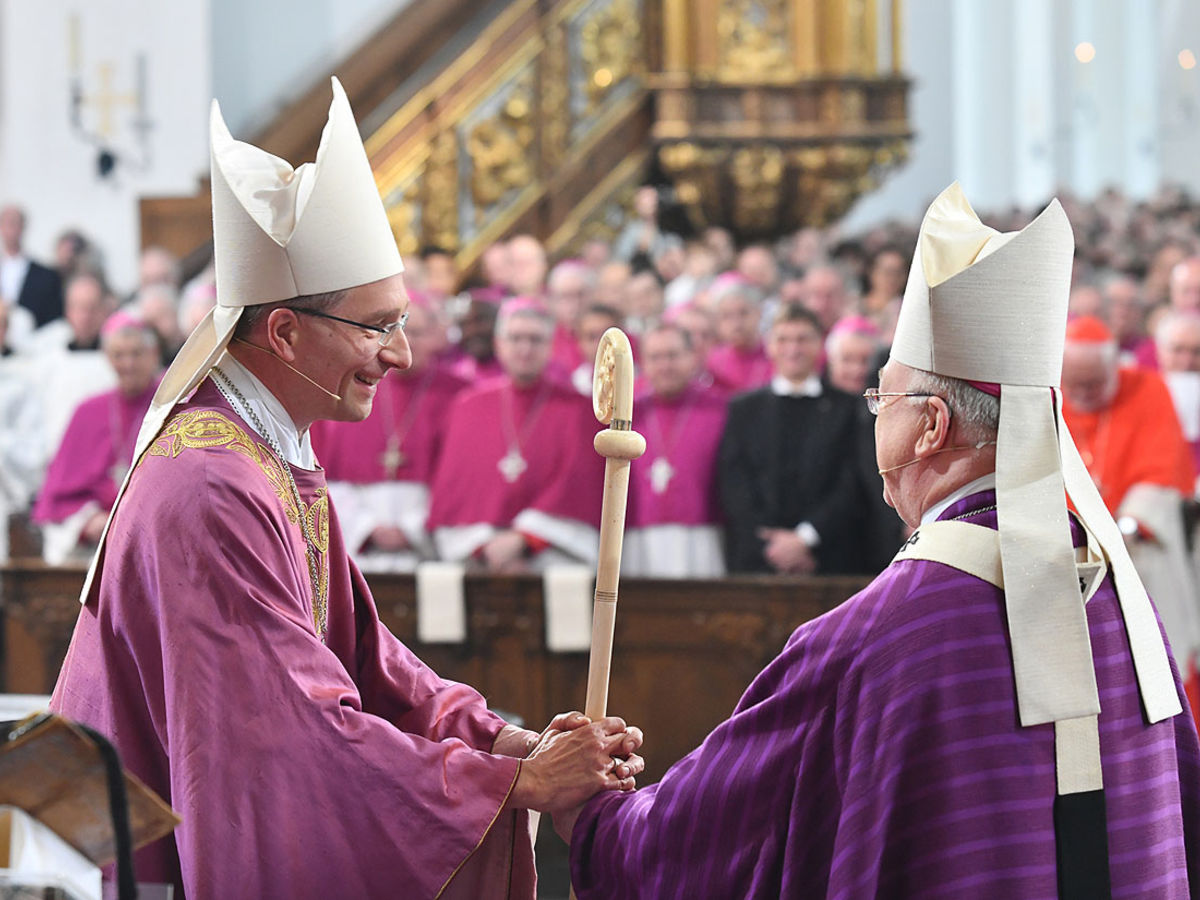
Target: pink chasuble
{"points": [[466, 367], [400, 439], [510, 449], [95, 453], [675, 481], [739, 370], [302, 767]]}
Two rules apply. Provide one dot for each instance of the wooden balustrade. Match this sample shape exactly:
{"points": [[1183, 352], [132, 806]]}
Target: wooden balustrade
{"points": [[684, 653]]}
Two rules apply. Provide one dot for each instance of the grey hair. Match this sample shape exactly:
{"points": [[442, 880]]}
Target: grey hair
{"points": [[1169, 320], [137, 328], [252, 315], [525, 310], [570, 267], [979, 413], [741, 289]]}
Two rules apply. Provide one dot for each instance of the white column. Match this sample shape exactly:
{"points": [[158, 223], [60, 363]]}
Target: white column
{"points": [[982, 96], [1179, 93], [1142, 156], [1087, 99], [1034, 110]]}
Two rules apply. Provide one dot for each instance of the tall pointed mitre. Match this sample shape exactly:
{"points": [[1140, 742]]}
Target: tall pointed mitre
{"points": [[278, 232], [990, 307]]}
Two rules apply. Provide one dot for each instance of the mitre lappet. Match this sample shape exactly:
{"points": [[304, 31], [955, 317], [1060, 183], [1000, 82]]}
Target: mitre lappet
{"points": [[278, 232], [991, 308]]}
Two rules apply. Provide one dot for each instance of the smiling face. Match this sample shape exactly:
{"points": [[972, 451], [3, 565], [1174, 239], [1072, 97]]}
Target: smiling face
{"points": [[347, 360]]}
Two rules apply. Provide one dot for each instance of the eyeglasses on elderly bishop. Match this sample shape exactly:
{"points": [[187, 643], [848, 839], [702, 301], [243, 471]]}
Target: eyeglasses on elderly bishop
{"points": [[874, 395]]}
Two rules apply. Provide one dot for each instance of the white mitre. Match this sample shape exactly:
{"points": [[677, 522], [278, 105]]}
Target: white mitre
{"points": [[278, 233], [990, 307]]}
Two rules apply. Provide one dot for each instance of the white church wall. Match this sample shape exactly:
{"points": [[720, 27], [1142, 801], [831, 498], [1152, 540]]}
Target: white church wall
{"points": [[1003, 102], [930, 112], [253, 56], [1179, 107], [268, 53], [999, 101], [49, 166]]}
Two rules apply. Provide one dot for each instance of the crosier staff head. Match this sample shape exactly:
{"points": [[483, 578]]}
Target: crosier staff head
{"points": [[612, 398]]}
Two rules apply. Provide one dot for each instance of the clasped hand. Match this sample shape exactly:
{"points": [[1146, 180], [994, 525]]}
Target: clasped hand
{"points": [[575, 758]]}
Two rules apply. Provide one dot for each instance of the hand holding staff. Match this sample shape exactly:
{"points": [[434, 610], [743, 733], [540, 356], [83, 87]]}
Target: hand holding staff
{"points": [[612, 399]]}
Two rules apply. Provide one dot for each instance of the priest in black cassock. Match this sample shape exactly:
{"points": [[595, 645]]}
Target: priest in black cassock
{"points": [[788, 485]]}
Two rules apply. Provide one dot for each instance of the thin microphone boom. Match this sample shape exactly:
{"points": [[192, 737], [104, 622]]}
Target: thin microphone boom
{"points": [[911, 462], [290, 366]]}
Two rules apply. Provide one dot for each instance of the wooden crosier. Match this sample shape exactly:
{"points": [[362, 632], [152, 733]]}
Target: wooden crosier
{"points": [[619, 444]]}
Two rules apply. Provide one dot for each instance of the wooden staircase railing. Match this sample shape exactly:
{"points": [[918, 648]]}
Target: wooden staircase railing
{"points": [[481, 120]]}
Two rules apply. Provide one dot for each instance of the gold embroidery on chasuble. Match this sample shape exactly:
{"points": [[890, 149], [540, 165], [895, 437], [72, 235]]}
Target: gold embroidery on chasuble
{"points": [[206, 429]]}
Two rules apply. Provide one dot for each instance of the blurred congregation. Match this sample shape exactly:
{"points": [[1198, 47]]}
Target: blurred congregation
{"points": [[751, 364]]}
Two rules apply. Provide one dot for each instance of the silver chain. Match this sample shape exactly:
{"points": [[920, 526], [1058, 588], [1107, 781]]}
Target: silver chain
{"points": [[974, 512], [235, 397]]}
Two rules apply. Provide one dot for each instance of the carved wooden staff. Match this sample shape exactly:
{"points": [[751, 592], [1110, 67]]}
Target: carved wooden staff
{"points": [[619, 444]]}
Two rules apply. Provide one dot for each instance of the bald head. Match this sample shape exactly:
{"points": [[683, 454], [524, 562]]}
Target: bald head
{"points": [[85, 307], [1089, 374], [1177, 340], [1185, 286], [1085, 300], [569, 290], [757, 265], [825, 295], [527, 265], [158, 266]]}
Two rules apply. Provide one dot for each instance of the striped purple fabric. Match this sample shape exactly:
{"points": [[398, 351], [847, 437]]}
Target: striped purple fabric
{"points": [[879, 755]]}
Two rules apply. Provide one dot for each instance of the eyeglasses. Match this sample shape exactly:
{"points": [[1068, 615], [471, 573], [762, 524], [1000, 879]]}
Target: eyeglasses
{"points": [[873, 396], [385, 332]]}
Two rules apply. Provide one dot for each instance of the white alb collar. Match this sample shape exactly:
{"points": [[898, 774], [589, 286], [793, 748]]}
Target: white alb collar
{"points": [[297, 448], [986, 483], [809, 387]]}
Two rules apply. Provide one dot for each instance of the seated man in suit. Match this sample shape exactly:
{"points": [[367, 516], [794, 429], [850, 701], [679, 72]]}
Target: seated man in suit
{"points": [[23, 281]]}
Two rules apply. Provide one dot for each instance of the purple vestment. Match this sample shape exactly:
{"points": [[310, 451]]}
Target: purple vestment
{"points": [[548, 426], [879, 755], [96, 448], [301, 768], [684, 432], [409, 409]]}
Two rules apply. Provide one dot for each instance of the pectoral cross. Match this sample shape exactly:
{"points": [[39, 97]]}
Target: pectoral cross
{"points": [[512, 465], [391, 459], [661, 473]]}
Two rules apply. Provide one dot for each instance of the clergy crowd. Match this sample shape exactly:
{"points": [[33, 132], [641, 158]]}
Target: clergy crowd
{"points": [[997, 714], [750, 362]]}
